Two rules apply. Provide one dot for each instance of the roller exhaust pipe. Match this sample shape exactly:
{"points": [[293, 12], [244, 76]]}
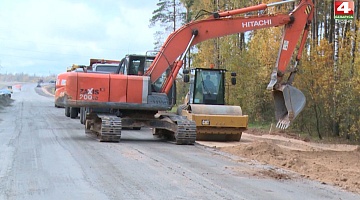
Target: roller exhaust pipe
{"points": [[289, 102]]}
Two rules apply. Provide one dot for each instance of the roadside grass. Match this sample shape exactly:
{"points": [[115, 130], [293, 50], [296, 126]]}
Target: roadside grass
{"points": [[174, 109]]}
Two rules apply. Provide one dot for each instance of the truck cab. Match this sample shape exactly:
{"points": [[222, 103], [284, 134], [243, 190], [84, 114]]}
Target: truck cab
{"points": [[104, 66]]}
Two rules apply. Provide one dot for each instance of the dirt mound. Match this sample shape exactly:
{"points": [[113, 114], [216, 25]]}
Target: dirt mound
{"points": [[333, 164], [263, 147], [357, 149]]}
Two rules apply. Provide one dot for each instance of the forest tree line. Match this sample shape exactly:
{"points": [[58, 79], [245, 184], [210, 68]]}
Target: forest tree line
{"points": [[329, 70], [25, 78]]}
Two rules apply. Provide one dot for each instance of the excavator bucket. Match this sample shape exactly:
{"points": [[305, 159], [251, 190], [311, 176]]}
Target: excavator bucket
{"points": [[289, 102]]}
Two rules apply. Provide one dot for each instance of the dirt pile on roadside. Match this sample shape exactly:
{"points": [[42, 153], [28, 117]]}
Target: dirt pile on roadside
{"points": [[333, 164], [357, 149]]}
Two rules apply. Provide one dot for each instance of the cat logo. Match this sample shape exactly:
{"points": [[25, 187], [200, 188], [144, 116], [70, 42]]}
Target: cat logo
{"points": [[205, 122]]}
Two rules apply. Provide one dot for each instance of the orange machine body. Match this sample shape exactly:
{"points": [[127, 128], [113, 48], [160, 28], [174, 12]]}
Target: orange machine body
{"points": [[60, 89], [110, 88]]}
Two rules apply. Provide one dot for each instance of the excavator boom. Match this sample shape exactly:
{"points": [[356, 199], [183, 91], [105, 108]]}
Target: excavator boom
{"points": [[176, 43]]}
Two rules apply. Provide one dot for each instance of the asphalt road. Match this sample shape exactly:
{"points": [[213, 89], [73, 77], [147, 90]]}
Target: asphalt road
{"points": [[44, 155]]}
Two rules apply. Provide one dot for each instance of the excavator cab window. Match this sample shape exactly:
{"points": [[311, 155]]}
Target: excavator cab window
{"points": [[139, 64], [134, 66], [208, 87], [110, 68]]}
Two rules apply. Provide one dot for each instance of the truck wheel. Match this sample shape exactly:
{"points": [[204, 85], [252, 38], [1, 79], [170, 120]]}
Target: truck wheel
{"points": [[67, 111], [74, 112], [82, 115]]}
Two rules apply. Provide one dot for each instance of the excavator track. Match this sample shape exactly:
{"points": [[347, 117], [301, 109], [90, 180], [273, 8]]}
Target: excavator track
{"points": [[110, 130], [186, 130]]}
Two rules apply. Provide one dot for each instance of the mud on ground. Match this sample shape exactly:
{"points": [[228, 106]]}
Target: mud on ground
{"points": [[333, 164]]}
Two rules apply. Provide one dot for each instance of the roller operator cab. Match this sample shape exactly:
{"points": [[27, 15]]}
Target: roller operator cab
{"points": [[208, 87], [205, 104]]}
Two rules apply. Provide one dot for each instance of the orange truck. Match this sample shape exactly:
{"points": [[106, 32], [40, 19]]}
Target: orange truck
{"points": [[96, 65], [61, 82], [142, 100], [59, 89]]}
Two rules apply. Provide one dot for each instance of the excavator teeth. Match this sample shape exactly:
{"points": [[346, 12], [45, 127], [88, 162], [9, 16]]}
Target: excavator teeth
{"points": [[283, 124]]}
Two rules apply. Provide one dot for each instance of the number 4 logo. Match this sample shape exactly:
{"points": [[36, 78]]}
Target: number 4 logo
{"points": [[344, 9]]}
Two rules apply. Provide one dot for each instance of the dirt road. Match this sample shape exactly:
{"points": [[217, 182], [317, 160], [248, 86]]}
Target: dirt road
{"points": [[44, 155]]}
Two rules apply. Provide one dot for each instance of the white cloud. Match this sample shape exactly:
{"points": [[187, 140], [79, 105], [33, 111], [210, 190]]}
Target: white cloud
{"points": [[46, 36]]}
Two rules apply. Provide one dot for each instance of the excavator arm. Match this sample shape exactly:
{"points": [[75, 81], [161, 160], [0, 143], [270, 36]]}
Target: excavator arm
{"points": [[289, 101], [199, 31], [296, 26]]}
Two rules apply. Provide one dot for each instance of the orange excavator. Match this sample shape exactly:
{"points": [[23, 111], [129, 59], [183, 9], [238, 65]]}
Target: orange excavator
{"points": [[140, 100]]}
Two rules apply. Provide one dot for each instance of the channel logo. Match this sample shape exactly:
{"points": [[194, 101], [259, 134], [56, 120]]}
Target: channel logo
{"points": [[344, 9]]}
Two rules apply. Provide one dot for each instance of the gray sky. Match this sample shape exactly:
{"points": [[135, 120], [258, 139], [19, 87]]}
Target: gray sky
{"points": [[45, 37]]}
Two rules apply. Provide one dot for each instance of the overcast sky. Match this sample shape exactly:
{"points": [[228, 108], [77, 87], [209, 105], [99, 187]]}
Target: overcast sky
{"points": [[45, 37]]}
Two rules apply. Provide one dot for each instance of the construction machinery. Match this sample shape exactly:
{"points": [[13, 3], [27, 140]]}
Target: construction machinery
{"points": [[59, 90], [131, 65], [60, 86], [205, 105], [135, 100], [96, 66]]}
